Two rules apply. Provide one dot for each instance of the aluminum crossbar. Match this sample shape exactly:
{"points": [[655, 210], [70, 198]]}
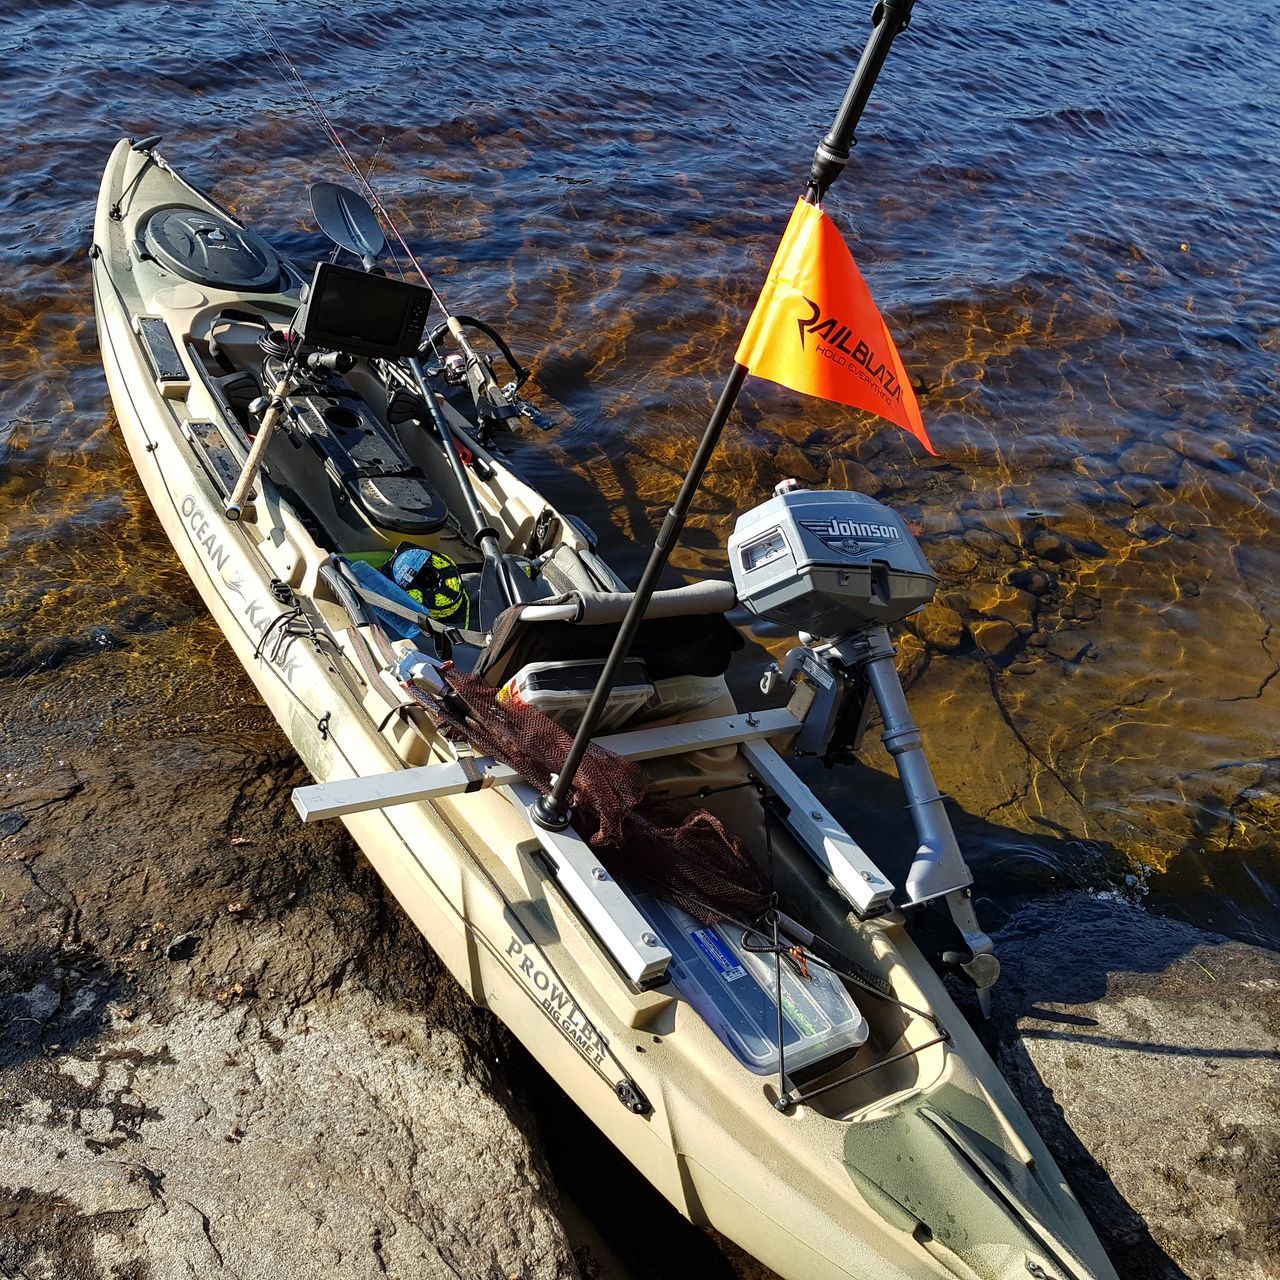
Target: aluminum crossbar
{"points": [[434, 781]]}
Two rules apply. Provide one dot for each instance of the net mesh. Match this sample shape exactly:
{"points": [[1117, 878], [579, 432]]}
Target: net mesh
{"points": [[641, 834]]}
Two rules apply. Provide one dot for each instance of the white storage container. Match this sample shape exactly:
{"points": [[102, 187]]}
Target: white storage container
{"points": [[563, 689]]}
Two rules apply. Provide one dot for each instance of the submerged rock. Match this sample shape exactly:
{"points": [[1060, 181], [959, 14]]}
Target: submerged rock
{"points": [[1050, 547], [1068, 645], [995, 637], [1002, 600], [939, 627]]}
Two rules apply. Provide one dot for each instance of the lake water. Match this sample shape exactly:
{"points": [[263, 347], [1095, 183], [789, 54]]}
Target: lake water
{"points": [[1069, 213]]}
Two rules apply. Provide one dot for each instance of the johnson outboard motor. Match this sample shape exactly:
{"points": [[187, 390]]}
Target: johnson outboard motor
{"points": [[839, 568]]}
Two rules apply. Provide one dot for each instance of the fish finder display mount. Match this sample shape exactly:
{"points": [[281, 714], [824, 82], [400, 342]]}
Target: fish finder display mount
{"points": [[362, 313]]}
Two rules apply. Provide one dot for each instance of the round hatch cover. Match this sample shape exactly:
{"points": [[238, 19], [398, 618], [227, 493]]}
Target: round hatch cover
{"points": [[210, 249]]}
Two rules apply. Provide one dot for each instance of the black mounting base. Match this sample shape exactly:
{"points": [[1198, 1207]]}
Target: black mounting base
{"points": [[548, 815]]}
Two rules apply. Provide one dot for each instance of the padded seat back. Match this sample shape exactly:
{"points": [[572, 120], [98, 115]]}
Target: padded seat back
{"points": [[684, 633]]}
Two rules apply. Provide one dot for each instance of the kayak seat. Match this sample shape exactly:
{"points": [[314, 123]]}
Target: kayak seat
{"points": [[363, 460], [684, 633], [568, 569]]}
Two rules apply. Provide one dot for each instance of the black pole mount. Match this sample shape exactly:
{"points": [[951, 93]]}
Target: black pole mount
{"points": [[888, 19]]}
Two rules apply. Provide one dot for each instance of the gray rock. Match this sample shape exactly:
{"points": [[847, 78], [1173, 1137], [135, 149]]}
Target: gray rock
{"points": [[227, 1051], [1148, 1055], [345, 1137], [11, 824]]}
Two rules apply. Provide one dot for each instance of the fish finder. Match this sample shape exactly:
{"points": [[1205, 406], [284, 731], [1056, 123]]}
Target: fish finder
{"points": [[362, 314]]}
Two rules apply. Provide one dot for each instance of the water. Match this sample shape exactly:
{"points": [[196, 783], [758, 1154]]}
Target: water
{"points": [[1068, 212]]}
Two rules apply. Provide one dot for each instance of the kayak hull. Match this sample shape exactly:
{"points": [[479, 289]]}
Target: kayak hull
{"points": [[932, 1169]]}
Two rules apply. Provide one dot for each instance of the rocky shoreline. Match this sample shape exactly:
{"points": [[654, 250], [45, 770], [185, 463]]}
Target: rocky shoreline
{"points": [[1147, 1053], [231, 1053]]}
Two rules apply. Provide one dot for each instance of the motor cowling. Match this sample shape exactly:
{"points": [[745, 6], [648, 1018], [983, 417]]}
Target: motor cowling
{"points": [[827, 563]]}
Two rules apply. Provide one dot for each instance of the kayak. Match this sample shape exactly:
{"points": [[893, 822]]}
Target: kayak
{"points": [[708, 963]]}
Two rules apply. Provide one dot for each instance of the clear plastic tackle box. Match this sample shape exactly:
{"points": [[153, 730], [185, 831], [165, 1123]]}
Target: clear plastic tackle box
{"points": [[734, 991]]}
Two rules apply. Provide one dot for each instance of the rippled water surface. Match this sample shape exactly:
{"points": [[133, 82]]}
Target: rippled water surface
{"points": [[1069, 213]]}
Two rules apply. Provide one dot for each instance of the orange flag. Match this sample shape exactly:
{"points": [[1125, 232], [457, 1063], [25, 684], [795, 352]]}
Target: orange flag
{"points": [[816, 329]]}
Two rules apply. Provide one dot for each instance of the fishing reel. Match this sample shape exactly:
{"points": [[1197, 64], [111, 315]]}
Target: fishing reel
{"points": [[491, 406]]}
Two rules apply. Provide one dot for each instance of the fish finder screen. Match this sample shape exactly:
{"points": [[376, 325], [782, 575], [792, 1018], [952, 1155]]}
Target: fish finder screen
{"points": [[363, 314]]}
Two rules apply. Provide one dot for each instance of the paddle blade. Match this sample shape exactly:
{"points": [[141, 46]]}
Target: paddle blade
{"points": [[346, 218]]}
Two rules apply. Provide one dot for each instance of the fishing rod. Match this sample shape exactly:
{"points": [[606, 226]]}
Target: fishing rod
{"points": [[889, 19], [276, 53], [496, 578]]}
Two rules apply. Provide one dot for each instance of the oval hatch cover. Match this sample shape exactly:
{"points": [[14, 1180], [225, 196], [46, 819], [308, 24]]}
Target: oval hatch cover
{"points": [[209, 249]]}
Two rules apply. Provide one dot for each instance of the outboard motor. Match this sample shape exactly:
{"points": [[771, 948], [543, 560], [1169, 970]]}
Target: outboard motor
{"points": [[828, 563], [839, 568]]}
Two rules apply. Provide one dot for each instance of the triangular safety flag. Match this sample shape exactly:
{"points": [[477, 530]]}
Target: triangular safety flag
{"points": [[816, 328]]}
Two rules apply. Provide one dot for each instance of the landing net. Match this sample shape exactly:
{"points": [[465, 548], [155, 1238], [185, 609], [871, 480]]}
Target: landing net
{"points": [[681, 851]]}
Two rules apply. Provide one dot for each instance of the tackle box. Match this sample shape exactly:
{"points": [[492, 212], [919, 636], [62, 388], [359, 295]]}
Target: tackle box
{"points": [[563, 689], [734, 991]]}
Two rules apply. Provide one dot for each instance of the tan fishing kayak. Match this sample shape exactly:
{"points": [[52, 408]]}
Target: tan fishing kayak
{"points": [[886, 1145]]}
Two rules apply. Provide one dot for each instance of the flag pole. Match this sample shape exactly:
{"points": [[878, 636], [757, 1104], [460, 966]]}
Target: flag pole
{"points": [[889, 19]]}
